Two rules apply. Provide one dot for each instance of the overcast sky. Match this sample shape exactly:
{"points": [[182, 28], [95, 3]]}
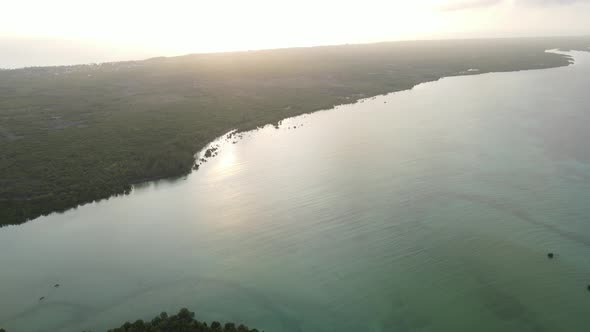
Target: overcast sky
{"points": [[69, 31]]}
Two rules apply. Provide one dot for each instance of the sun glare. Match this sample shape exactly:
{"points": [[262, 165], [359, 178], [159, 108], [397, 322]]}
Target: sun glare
{"points": [[183, 26], [193, 26], [226, 163]]}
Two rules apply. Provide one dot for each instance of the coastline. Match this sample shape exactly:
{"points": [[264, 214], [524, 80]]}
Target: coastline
{"points": [[555, 60], [200, 160]]}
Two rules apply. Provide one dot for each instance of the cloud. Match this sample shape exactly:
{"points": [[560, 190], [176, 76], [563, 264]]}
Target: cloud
{"points": [[552, 2], [468, 4], [455, 5]]}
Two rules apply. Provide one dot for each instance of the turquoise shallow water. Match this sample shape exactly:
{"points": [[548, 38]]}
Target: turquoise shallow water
{"points": [[425, 210]]}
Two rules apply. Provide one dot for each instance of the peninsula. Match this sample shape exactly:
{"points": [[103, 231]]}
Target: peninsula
{"points": [[75, 134]]}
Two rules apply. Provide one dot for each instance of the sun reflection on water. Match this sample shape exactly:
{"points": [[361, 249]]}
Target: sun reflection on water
{"points": [[227, 161]]}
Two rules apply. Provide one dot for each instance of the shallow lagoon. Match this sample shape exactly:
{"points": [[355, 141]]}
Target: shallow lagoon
{"points": [[425, 210]]}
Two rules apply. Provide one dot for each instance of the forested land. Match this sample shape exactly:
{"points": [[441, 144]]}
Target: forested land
{"points": [[184, 321], [75, 134]]}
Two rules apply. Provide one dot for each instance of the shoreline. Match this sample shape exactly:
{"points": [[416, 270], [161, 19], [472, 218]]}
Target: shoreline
{"points": [[236, 132], [558, 60]]}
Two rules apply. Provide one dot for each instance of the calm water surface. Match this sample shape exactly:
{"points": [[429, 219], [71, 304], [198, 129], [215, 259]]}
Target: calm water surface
{"points": [[426, 210]]}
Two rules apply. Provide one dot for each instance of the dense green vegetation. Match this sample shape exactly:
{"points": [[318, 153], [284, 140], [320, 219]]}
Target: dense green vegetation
{"points": [[184, 321], [74, 134]]}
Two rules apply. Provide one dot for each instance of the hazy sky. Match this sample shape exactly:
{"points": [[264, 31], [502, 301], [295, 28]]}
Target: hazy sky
{"points": [[113, 29]]}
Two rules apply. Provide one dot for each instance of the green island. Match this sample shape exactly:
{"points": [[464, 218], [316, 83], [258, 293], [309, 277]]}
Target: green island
{"points": [[184, 321], [71, 135]]}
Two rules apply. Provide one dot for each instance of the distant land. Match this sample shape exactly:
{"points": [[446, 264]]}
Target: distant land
{"points": [[70, 135], [35, 52]]}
